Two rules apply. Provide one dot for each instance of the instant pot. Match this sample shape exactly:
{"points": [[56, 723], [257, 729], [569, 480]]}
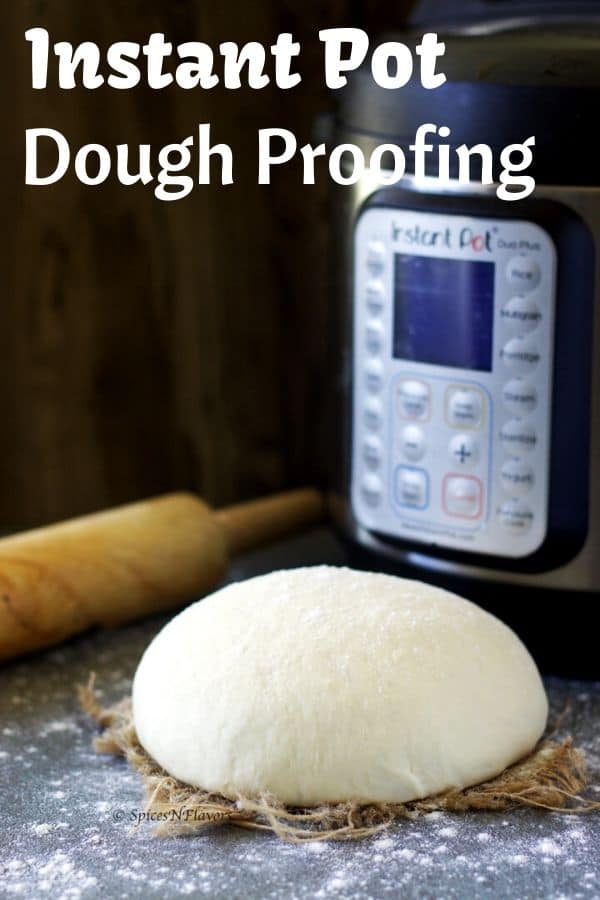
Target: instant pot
{"points": [[468, 371]]}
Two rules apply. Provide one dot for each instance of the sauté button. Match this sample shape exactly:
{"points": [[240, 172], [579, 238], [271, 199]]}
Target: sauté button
{"points": [[464, 450], [412, 442], [374, 375], [520, 354], [517, 477], [462, 496], [523, 273], [374, 336], [515, 516], [463, 408], [518, 438], [376, 256], [521, 314], [375, 295], [373, 413], [519, 396], [413, 399], [412, 487], [371, 489], [372, 451]]}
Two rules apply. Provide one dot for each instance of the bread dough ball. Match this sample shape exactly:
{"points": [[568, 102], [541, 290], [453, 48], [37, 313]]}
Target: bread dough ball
{"points": [[326, 684]]}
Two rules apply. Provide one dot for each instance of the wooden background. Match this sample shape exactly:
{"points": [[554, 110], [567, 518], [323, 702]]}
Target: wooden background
{"points": [[148, 346]]}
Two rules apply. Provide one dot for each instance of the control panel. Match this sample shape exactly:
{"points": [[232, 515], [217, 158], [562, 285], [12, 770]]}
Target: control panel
{"points": [[452, 373]]}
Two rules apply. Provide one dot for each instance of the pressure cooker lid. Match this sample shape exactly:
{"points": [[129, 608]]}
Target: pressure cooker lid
{"points": [[501, 88]]}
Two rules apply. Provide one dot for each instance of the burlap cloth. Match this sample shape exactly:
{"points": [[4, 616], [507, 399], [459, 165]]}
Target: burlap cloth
{"points": [[553, 777]]}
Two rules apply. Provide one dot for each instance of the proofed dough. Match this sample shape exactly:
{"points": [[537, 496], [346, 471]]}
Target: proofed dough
{"points": [[323, 684]]}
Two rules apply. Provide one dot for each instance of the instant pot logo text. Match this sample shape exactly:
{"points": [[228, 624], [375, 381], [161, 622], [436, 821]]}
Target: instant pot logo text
{"points": [[466, 238]]}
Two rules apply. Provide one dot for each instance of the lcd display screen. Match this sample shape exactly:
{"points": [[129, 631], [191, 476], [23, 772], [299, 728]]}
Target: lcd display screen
{"points": [[444, 311]]}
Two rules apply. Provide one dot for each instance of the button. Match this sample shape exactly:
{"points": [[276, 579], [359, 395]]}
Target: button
{"points": [[517, 477], [463, 408], [519, 397], [462, 496], [412, 487], [412, 442], [464, 450], [515, 516], [375, 295], [523, 273], [374, 336], [517, 437], [413, 399], [372, 451], [521, 314], [373, 413], [374, 375], [376, 256], [520, 354], [371, 489]]}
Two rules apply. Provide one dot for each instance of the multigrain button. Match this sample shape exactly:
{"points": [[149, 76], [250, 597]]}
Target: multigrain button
{"points": [[412, 442], [373, 413], [463, 408], [520, 355], [371, 489], [464, 451], [518, 438], [412, 399], [412, 487], [376, 256], [373, 451], [521, 314], [515, 516], [375, 294], [519, 397], [462, 496], [374, 336], [523, 273], [516, 477], [374, 375]]}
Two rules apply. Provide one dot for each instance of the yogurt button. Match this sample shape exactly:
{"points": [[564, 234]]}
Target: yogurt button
{"points": [[519, 397], [518, 438], [412, 442], [376, 256], [371, 489], [373, 413], [517, 477], [523, 273], [515, 516], [520, 354], [372, 451], [375, 295], [413, 400], [521, 314], [374, 375]]}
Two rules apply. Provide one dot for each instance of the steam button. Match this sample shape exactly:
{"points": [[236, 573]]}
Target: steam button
{"points": [[523, 273], [520, 397]]}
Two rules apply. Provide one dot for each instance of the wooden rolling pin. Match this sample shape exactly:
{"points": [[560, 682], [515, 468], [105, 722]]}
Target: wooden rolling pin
{"points": [[130, 562]]}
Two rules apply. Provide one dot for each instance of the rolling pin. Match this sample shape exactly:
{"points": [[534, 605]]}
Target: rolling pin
{"points": [[133, 561]]}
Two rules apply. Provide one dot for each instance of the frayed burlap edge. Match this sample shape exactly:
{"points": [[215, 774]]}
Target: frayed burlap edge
{"points": [[550, 778]]}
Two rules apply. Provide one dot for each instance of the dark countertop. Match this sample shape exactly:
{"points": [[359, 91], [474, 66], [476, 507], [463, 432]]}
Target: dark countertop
{"points": [[65, 828]]}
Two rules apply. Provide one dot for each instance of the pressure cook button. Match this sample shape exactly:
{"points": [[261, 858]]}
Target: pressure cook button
{"points": [[375, 295], [373, 414], [521, 314], [462, 496], [412, 442], [463, 408], [523, 273], [464, 451], [372, 451], [518, 438], [520, 354], [371, 489], [515, 516], [517, 477], [412, 487], [374, 375], [374, 336], [413, 399], [519, 397], [376, 256]]}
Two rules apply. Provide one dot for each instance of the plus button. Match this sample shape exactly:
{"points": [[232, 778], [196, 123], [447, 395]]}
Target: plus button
{"points": [[463, 450]]}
